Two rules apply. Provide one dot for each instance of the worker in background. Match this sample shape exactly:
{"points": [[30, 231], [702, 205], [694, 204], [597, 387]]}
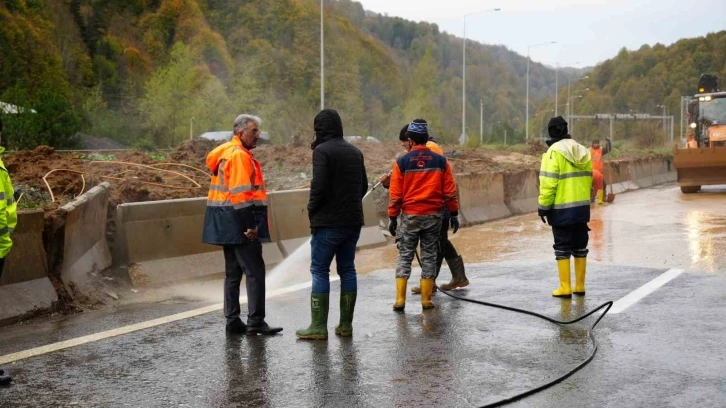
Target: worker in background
{"points": [[564, 203], [422, 184], [446, 248], [598, 153], [8, 221], [236, 219], [691, 141], [598, 187], [335, 209]]}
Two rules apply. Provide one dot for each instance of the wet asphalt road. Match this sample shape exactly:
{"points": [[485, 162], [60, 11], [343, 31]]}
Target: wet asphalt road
{"points": [[666, 350]]}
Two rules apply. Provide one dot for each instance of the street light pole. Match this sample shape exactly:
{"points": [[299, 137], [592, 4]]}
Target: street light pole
{"points": [[191, 128], [568, 93], [481, 121], [526, 120], [557, 86], [322, 58], [665, 112], [462, 139]]}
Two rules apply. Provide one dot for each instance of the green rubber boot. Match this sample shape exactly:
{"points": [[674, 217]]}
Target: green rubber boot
{"points": [[347, 306], [318, 329]]}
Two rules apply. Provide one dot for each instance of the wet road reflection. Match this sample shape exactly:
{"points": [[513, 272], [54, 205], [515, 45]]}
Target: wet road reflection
{"points": [[657, 227]]}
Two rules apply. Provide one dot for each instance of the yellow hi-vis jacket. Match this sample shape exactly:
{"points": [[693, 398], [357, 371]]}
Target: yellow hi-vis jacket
{"points": [[565, 181], [8, 210]]}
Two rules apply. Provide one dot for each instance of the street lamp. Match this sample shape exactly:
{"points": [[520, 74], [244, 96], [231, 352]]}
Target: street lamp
{"points": [[191, 128], [568, 92], [526, 120], [462, 139], [541, 122], [481, 121], [572, 109], [665, 112], [322, 58], [557, 82]]}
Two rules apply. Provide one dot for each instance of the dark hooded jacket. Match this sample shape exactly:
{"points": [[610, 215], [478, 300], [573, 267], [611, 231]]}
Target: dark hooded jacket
{"points": [[339, 176]]}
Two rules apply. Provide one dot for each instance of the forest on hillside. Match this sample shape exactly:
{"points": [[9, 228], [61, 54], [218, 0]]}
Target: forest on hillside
{"points": [[138, 71], [143, 72], [638, 82]]}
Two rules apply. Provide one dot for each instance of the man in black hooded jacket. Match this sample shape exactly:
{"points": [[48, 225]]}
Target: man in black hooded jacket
{"points": [[335, 209]]}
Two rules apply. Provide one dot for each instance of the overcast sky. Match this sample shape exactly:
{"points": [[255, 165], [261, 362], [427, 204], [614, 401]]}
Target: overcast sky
{"points": [[587, 31]]}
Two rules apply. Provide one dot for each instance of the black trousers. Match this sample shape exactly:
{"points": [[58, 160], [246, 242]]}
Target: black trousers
{"points": [[571, 240], [244, 259], [446, 248]]}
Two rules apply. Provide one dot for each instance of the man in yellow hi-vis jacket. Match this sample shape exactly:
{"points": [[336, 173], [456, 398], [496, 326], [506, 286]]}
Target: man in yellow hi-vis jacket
{"points": [[565, 180], [8, 221]]}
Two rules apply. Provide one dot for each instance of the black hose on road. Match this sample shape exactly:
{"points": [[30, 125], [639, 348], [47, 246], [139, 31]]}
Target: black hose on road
{"points": [[606, 306]]}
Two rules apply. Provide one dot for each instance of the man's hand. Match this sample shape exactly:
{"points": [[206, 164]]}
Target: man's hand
{"points": [[455, 224], [543, 214], [251, 233], [392, 225], [385, 180]]}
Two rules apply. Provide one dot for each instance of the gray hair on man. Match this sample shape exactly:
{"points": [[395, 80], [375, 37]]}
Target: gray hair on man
{"points": [[243, 119]]}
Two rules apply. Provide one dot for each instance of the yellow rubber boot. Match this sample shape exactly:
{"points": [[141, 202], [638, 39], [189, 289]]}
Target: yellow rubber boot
{"points": [[580, 267], [400, 294], [565, 290], [427, 288], [600, 195]]}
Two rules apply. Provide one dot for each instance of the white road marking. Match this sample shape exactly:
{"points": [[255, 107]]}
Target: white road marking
{"points": [[628, 300], [50, 348]]}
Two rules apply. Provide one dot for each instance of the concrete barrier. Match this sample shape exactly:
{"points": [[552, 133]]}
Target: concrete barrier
{"points": [[628, 175], [161, 242], [292, 226], [85, 249], [24, 287], [481, 197], [521, 191]]}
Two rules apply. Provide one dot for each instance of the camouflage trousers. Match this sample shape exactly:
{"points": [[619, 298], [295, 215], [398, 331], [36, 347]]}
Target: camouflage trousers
{"points": [[412, 229]]}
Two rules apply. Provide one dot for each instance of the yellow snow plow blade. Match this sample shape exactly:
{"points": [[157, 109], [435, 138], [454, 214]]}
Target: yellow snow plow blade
{"points": [[700, 167]]}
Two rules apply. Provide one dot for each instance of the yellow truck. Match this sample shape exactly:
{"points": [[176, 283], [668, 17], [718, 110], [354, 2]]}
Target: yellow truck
{"points": [[706, 163]]}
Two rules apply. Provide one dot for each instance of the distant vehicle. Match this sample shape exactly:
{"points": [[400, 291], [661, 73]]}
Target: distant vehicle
{"points": [[362, 139], [227, 136], [705, 165], [220, 136]]}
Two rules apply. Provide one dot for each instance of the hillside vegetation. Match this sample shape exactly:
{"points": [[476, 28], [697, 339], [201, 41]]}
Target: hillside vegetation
{"points": [[639, 81], [138, 71]]}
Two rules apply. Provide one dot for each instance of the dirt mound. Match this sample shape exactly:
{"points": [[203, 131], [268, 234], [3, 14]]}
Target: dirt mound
{"points": [[194, 151]]}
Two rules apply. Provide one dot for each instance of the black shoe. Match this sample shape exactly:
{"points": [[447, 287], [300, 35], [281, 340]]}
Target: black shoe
{"points": [[236, 327], [5, 379], [262, 328]]}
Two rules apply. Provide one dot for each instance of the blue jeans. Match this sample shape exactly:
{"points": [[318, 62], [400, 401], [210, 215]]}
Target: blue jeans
{"points": [[339, 243]]}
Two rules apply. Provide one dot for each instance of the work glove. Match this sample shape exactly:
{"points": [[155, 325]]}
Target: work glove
{"points": [[392, 225], [455, 223], [543, 214]]}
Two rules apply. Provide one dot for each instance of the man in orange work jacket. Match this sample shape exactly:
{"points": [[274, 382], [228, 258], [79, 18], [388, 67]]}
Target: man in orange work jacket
{"points": [[598, 153], [236, 219], [422, 184]]}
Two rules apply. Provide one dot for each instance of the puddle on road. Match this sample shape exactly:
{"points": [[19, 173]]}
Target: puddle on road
{"points": [[657, 227]]}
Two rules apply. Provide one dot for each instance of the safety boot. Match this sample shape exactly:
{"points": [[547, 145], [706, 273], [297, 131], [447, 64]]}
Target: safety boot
{"points": [[318, 329], [580, 267], [400, 294], [427, 288], [416, 290], [5, 379], [565, 290], [347, 306], [458, 274]]}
